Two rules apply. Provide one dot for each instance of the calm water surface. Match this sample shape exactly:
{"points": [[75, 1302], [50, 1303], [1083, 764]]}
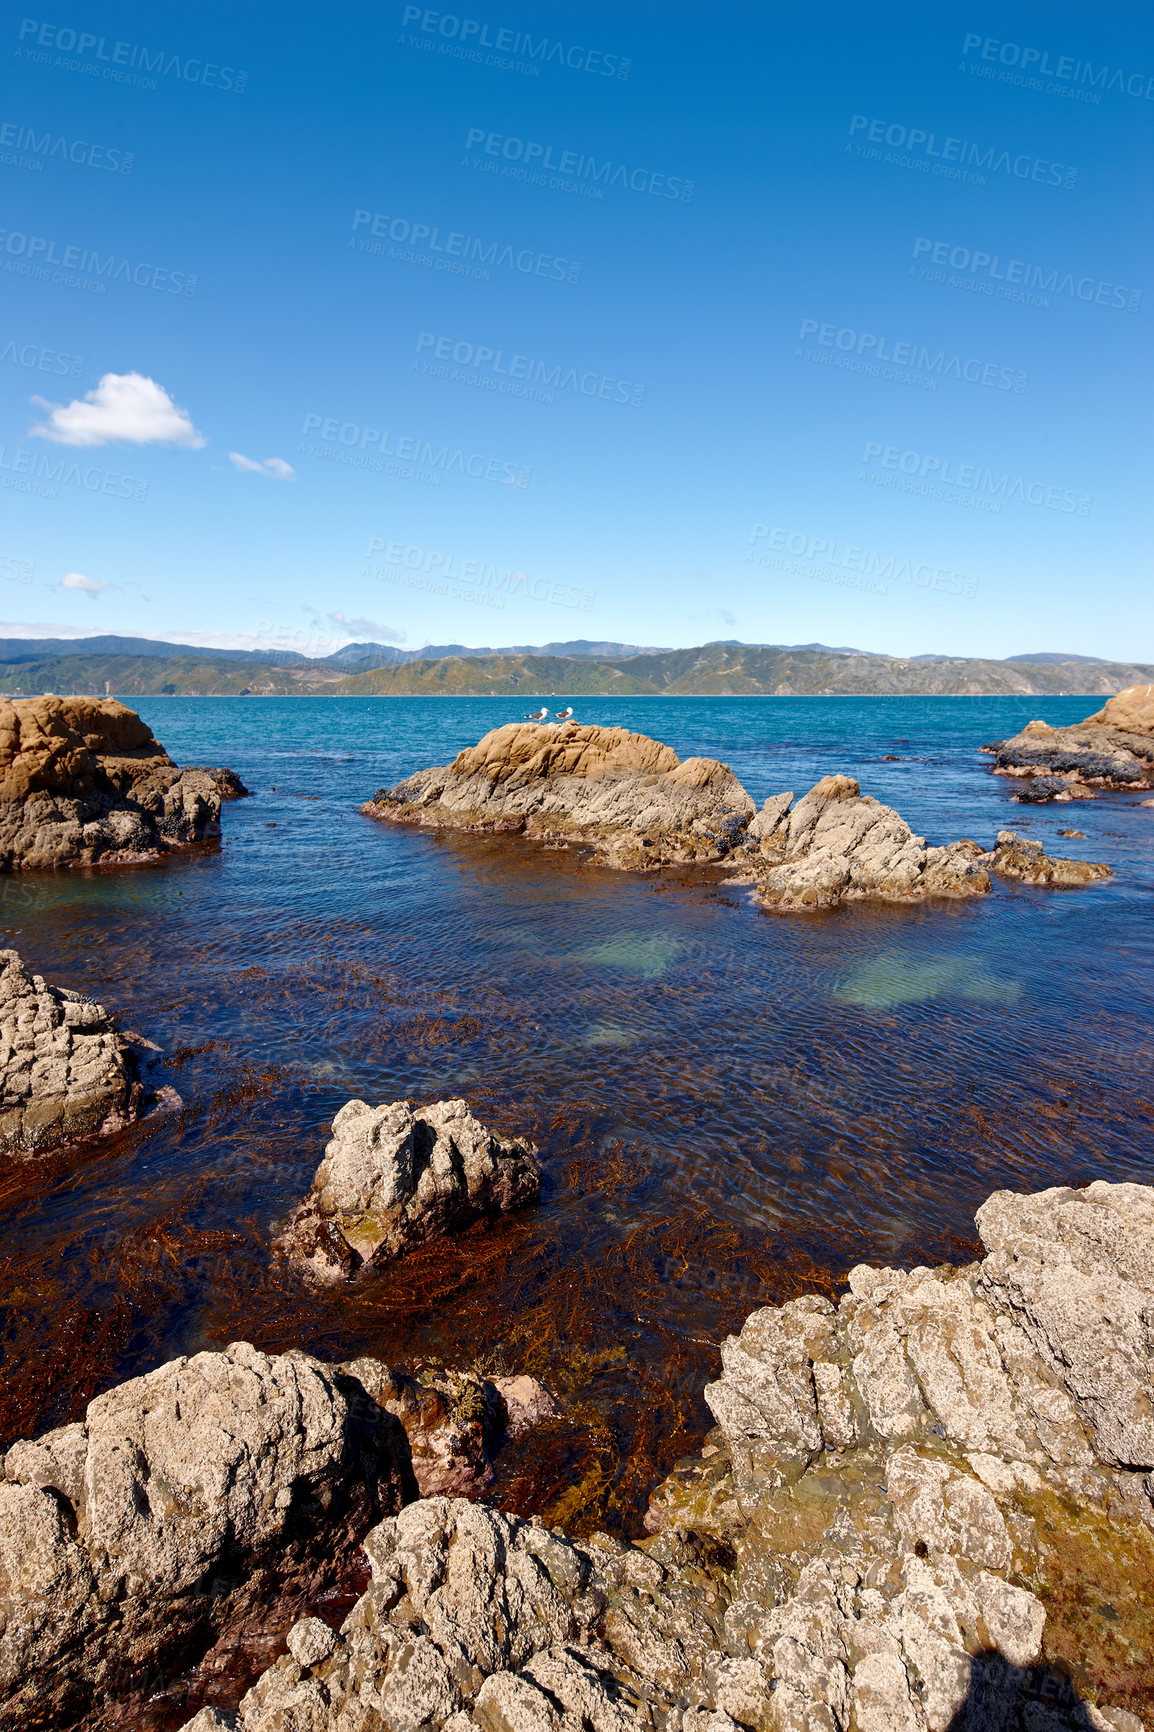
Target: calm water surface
{"points": [[731, 1106]]}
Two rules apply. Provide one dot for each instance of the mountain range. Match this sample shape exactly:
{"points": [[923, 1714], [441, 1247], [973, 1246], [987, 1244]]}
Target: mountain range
{"points": [[137, 667]]}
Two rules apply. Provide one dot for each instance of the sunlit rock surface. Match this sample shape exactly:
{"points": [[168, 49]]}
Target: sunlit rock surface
{"points": [[395, 1176], [926, 1508], [628, 798], [631, 801], [83, 781]]}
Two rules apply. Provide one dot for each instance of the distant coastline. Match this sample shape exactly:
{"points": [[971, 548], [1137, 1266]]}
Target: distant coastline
{"points": [[70, 668]]}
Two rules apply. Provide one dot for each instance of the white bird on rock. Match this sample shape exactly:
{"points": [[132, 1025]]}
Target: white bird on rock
{"points": [[538, 716], [563, 715]]}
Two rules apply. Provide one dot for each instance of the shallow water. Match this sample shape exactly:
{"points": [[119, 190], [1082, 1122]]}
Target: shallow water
{"points": [[731, 1106]]}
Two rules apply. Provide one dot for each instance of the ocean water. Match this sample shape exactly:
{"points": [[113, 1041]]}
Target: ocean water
{"points": [[731, 1106]]}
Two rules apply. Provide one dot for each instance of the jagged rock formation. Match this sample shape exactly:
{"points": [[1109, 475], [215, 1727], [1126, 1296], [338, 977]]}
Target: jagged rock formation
{"points": [[66, 1071], [837, 845], [634, 803], [1114, 748], [906, 1520], [393, 1177], [629, 798], [83, 780], [205, 1494]]}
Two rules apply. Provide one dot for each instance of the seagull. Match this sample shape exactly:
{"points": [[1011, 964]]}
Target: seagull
{"points": [[538, 716], [563, 715]]}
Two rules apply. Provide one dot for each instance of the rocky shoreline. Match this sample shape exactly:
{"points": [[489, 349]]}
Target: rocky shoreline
{"points": [[632, 803], [928, 1507], [1112, 749], [84, 782]]}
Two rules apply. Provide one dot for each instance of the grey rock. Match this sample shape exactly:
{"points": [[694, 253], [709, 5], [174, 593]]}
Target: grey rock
{"points": [[187, 1500], [1075, 1271], [66, 1072], [837, 845], [395, 1176]]}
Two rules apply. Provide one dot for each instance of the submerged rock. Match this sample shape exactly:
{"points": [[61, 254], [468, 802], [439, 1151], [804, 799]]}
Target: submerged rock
{"points": [[66, 1071], [911, 1508], [454, 1420], [629, 798], [84, 781], [837, 844], [199, 1496], [1114, 748], [395, 1176]]}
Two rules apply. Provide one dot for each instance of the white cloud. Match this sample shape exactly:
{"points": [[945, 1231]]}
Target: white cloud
{"points": [[125, 407], [369, 629], [275, 467], [89, 586]]}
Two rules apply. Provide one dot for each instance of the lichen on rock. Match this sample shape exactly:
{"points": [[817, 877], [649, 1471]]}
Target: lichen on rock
{"points": [[83, 781], [396, 1176]]}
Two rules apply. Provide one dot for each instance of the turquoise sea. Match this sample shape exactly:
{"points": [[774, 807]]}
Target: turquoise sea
{"points": [[731, 1106]]}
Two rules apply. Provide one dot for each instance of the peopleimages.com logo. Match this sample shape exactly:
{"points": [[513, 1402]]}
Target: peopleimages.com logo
{"points": [[460, 252], [864, 563], [1034, 278], [972, 478], [1036, 61], [471, 33], [577, 164], [30, 256], [124, 60], [943, 365], [41, 360], [519, 374], [50, 145], [929, 148], [366, 448]]}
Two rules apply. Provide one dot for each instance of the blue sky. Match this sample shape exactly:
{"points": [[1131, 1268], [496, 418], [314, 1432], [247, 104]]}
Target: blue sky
{"points": [[522, 323]]}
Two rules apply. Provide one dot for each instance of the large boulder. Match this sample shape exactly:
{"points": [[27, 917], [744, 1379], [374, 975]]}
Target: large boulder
{"points": [[395, 1176], [1113, 748], [923, 1509], [83, 781], [628, 798], [66, 1071], [205, 1494]]}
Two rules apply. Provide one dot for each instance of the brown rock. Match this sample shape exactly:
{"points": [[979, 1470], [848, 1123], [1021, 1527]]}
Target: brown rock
{"points": [[83, 780], [1019, 858], [194, 1499], [1132, 710], [628, 797], [1114, 748]]}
